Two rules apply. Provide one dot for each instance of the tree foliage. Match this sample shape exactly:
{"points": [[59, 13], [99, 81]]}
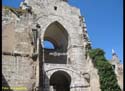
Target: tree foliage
{"points": [[107, 76]]}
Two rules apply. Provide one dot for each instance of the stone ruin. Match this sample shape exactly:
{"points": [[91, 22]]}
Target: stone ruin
{"points": [[28, 64]]}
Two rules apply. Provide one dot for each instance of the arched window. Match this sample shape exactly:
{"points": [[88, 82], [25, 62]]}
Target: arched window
{"points": [[48, 44], [55, 44]]}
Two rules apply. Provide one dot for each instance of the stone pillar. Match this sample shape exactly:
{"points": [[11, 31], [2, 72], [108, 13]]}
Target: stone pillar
{"points": [[37, 66]]}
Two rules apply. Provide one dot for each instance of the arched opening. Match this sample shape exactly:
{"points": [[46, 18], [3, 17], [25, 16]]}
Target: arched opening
{"points": [[58, 36], [60, 81], [48, 45]]}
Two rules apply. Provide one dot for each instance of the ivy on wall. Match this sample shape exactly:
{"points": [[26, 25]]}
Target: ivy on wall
{"points": [[107, 76]]}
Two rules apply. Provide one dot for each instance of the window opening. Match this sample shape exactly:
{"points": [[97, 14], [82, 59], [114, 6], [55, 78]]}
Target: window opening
{"points": [[55, 8], [48, 44]]}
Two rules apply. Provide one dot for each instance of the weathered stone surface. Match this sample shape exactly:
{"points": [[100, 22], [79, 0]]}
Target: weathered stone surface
{"points": [[34, 67], [8, 37], [18, 71], [118, 68]]}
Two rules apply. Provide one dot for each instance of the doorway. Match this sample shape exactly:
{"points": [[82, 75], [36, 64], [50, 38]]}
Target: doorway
{"points": [[60, 81]]}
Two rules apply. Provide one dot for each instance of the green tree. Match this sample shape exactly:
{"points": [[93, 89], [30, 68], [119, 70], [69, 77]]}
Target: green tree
{"points": [[107, 76]]}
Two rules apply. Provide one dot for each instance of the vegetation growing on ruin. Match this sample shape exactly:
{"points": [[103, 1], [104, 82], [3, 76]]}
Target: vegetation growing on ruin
{"points": [[14, 9], [17, 11], [108, 80]]}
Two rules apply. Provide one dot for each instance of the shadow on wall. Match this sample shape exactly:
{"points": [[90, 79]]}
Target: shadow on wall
{"points": [[5, 85]]}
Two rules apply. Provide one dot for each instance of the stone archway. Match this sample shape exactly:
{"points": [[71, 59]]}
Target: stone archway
{"points": [[60, 81], [58, 35]]}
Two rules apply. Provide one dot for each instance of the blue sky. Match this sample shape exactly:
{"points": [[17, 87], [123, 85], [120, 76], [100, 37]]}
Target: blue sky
{"points": [[104, 19]]}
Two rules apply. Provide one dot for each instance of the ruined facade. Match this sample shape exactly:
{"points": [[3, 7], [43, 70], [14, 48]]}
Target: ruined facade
{"points": [[27, 63], [118, 68]]}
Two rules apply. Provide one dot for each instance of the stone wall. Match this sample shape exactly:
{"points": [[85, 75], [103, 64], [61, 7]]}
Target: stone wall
{"points": [[20, 68], [18, 72]]}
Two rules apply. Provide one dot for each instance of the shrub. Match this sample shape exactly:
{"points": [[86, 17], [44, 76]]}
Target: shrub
{"points": [[107, 76]]}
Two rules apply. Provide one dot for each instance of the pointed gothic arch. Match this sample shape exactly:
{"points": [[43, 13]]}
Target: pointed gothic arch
{"points": [[58, 35]]}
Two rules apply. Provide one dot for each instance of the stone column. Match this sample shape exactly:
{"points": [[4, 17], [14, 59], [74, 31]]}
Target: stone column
{"points": [[37, 68]]}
